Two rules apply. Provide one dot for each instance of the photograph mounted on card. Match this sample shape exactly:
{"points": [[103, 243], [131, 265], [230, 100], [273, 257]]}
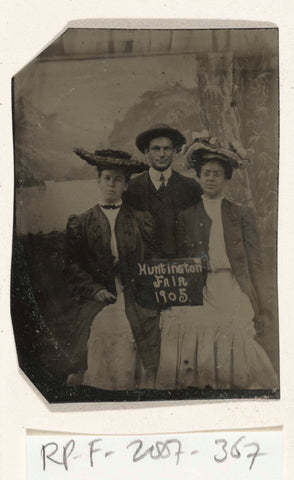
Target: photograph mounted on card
{"points": [[144, 251]]}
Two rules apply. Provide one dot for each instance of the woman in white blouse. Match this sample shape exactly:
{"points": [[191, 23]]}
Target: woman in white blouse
{"points": [[118, 330], [214, 344]]}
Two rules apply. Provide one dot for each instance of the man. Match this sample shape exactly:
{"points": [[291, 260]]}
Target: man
{"points": [[162, 191]]}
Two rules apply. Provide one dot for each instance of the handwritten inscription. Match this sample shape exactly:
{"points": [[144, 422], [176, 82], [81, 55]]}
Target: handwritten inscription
{"points": [[160, 450], [175, 282], [139, 450]]}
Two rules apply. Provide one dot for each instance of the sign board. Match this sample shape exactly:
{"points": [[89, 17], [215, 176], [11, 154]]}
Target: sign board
{"points": [[173, 282]]}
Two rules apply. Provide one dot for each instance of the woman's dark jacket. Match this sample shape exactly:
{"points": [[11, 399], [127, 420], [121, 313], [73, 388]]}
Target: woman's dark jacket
{"points": [[242, 245], [90, 268]]}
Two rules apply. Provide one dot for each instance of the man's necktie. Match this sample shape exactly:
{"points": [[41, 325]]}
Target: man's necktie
{"points": [[162, 183]]}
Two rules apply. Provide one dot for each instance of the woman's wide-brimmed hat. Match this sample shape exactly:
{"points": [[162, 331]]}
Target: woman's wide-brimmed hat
{"points": [[161, 130], [105, 159], [205, 147]]}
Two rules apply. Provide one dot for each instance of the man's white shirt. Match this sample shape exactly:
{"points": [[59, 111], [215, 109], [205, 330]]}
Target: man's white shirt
{"points": [[155, 176]]}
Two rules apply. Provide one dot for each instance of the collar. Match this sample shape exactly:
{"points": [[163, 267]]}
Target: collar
{"points": [[111, 206], [208, 200], [155, 174]]}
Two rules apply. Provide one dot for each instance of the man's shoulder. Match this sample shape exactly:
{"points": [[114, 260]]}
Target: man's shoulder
{"points": [[143, 218], [186, 190], [192, 210], [136, 187], [133, 211], [139, 179], [185, 181]]}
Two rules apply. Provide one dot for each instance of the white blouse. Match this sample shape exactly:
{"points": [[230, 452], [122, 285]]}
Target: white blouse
{"points": [[217, 252], [111, 215]]}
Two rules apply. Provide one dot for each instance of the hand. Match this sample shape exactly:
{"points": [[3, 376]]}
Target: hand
{"points": [[104, 296]]}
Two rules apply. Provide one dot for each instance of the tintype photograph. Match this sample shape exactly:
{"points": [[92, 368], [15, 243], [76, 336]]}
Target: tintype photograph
{"points": [[145, 217]]}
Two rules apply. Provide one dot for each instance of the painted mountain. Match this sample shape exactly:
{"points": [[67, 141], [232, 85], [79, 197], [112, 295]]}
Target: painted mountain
{"points": [[44, 144]]}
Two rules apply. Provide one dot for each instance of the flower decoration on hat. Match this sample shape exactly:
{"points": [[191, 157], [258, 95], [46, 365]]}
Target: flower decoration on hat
{"points": [[239, 149], [204, 144]]}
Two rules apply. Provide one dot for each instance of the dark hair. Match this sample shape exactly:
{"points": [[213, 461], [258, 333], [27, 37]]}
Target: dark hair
{"points": [[125, 171], [228, 169]]}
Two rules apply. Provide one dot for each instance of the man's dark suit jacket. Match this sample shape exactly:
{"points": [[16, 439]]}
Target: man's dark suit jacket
{"points": [[89, 268], [242, 245], [180, 191]]}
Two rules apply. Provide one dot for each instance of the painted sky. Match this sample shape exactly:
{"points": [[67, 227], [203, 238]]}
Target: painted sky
{"points": [[87, 96]]}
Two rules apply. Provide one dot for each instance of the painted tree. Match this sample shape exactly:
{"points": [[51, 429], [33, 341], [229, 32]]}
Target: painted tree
{"points": [[219, 112]]}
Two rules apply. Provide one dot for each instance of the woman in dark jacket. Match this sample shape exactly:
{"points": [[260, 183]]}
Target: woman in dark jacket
{"points": [[103, 246], [214, 343]]}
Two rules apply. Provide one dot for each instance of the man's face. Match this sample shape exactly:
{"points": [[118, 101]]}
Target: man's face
{"points": [[212, 179], [160, 153], [112, 184]]}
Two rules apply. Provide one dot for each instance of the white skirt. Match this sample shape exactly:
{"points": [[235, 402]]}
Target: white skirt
{"points": [[214, 344], [112, 351]]}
